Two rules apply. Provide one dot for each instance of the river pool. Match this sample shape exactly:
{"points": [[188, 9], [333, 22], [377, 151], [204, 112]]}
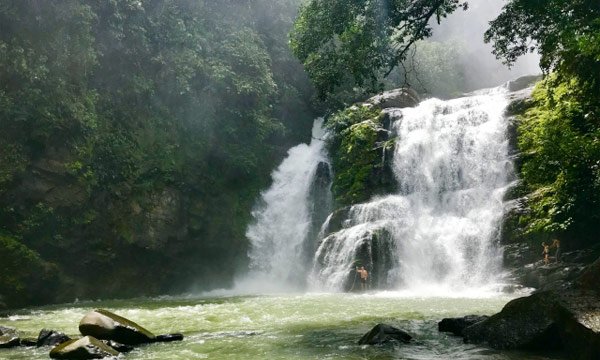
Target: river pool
{"points": [[291, 326]]}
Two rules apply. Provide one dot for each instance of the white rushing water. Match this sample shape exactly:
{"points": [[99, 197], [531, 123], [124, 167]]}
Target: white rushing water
{"points": [[438, 234], [282, 221]]}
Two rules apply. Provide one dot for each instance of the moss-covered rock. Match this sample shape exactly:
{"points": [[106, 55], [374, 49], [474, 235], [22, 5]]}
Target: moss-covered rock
{"points": [[105, 325], [85, 348], [357, 147], [361, 147]]}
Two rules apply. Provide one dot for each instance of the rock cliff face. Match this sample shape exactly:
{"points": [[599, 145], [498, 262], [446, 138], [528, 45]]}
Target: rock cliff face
{"points": [[397, 98], [522, 249], [91, 240], [321, 206], [361, 147]]}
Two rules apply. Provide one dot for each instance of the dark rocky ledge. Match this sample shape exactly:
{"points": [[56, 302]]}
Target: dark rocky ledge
{"points": [[565, 320]]}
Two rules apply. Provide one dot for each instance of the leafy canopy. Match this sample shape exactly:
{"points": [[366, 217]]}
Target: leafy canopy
{"points": [[560, 146], [558, 29], [361, 39]]}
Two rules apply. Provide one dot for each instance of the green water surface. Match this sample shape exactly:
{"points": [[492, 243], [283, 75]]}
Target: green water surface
{"points": [[306, 326]]}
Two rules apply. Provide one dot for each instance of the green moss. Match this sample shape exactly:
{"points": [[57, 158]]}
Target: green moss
{"points": [[23, 274], [355, 152]]}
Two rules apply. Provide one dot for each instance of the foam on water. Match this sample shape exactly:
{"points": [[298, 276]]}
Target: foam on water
{"points": [[438, 235]]}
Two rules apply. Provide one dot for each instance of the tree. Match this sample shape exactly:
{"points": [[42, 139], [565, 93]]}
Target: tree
{"points": [[557, 29], [558, 136], [361, 39], [139, 127]]}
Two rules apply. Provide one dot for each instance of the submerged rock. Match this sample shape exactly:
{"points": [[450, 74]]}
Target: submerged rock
{"points": [[168, 338], [457, 325], [28, 342], [105, 325], [50, 338], [85, 348], [382, 334], [9, 337], [118, 346]]}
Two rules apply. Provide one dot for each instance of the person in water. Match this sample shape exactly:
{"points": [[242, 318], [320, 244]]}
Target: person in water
{"points": [[556, 244], [364, 276], [545, 253]]}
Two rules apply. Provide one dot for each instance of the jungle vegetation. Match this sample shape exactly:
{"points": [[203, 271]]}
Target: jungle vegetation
{"points": [[136, 135], [135, 138], [361, 42]]}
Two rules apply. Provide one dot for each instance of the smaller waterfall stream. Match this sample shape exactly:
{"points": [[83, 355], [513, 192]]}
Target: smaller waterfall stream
{"points": [[436, 235], [296, 202]]}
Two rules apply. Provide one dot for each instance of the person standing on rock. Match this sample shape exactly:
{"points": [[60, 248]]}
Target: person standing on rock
{"points": [[364, 276], [556, 244], [545, 253]]}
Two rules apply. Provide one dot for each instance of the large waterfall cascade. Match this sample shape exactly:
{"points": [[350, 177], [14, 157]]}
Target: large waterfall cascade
{"points": [[280, 253], [438, 233]]}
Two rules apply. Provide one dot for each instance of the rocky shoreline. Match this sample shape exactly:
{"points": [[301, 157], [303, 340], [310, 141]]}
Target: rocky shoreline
{"points": [[564, 319], [104, 335]]}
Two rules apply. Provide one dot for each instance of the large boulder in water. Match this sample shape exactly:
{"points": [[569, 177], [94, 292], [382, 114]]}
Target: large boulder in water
{"points": [[85, 348], [566, 320], [382, 334], [457, 325], [9, 337], [105, 325]]}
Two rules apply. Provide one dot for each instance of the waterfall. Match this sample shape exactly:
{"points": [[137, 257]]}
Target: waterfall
{"points": [[292, 209], [439, 232]]}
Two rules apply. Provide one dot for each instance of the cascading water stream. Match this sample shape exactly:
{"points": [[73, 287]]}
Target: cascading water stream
{"points": [[297, 201], [438, 233]]}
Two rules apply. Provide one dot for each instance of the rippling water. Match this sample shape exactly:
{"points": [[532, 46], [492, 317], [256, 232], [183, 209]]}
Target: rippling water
{"points": [[307, 326]]}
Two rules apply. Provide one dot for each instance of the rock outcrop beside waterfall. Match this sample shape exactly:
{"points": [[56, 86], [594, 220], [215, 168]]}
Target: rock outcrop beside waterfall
{"points": [[522, 248], [565, 321], [397, 98]]}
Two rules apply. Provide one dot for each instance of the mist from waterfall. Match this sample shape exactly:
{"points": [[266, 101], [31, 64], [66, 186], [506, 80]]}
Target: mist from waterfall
{"points": [[280, 255], [438, 234]]}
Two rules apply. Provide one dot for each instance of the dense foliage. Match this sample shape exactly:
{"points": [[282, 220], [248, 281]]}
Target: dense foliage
{"points": [[433, 69], [560, 134], [560, 142], [561, 31], [135, 137], [361, 40]]}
